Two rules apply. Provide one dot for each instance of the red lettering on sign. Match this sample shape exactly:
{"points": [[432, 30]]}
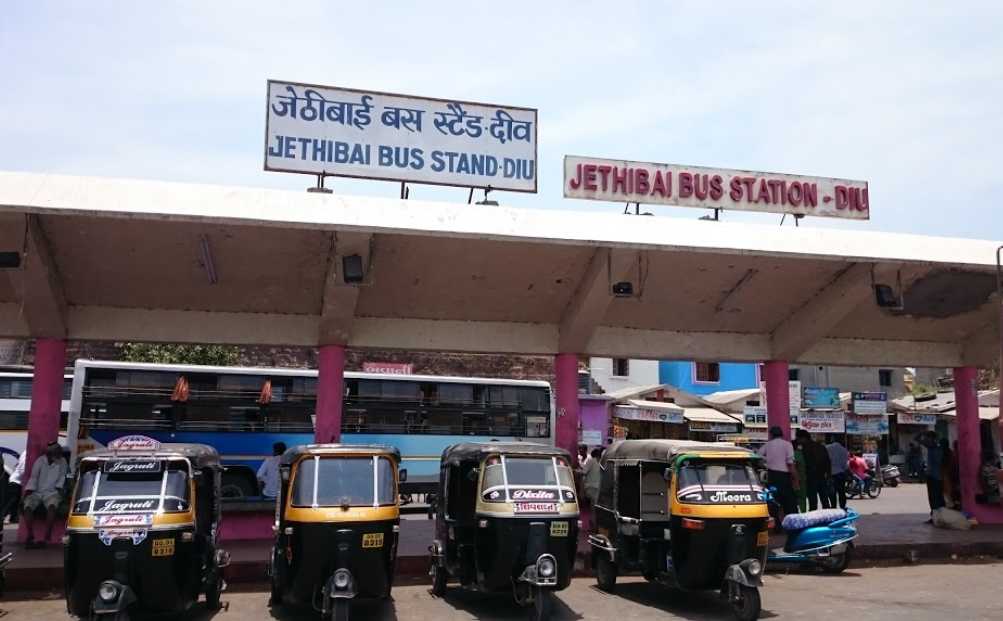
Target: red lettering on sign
{"points": [[716, 188], [590, 177], [736, 189], [842, 197], [794, 193], [641, 184], [658, 185], [810, 192], [685, 185], [620, 179], [865, 202], [700, 188], [604, 173], [749, 182], [576, 181], [764, 192], [774, 191]]}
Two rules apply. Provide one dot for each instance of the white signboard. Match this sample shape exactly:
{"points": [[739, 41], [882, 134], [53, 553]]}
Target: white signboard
{"points": [[351, 133], [629, 412], [870, 403], [908, 418], [591, 437], [755, 415], [794, 390], [622, 181], [823, 422]]}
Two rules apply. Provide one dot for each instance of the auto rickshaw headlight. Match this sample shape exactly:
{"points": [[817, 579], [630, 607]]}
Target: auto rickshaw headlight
{"points": [[754, 567], [342, 578], [545, 566], [107, 592]]}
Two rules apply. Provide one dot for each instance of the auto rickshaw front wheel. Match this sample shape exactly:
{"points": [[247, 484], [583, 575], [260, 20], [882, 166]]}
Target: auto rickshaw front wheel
{"points": [[543, 602], [214, 591], [339, 612], [605, 573], [745, 602], [438, 581]]}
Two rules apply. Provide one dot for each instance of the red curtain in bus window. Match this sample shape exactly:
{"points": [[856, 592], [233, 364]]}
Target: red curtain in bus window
{"points": [[180, 389], [266, 393]]}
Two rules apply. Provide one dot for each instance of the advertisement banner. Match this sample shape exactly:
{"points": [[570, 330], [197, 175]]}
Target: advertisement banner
{"points": [[870, 403], [755, 415], [819, 398], [823, 422], [866, 425], [388, 368], [621, 181], [351, 133], [909, 418], [630, 412], [794, 390], [719, 427]]}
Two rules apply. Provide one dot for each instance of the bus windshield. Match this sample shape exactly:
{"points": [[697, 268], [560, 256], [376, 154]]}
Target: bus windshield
{"points": [[527, 478], [341, 481], [713, 482], [153, 489]]}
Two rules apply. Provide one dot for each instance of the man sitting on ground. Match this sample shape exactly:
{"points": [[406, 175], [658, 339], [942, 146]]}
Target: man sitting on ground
{"points": [[44, 489]]}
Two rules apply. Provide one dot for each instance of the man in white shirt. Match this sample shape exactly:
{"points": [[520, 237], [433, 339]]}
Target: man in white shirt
{"points": [[12, 495], [268, 473], [783, 475], [44, 489]]}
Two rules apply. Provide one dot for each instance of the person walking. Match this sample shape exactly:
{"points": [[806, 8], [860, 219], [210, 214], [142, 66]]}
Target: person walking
{"points": [[915, 460], [818, 469], [781, 472], [268, 472], [839, 464], [934, 470]]}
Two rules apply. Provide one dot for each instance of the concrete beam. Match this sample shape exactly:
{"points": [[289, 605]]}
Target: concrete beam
{"points": [[470, 336], [38, 286], [885, 353], [981, 348], [587, 306], [669, 345], [823, 312], [340, 298]]}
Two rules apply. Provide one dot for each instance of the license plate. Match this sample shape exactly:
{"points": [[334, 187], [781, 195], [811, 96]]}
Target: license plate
{"points": [[763, 538], [536, 507], [372, 540], [163, 547], [558, 529]]}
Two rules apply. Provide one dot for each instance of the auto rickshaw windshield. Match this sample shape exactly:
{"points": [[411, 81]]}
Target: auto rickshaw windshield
{"points": [[526, 472], [101, 491], [340, 481], [707, 481]]}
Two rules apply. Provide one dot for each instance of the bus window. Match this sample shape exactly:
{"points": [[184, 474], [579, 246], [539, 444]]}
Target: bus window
{"points": [[503, 397], [400, 390], [460, 394], [537, 427], [534, 399]]}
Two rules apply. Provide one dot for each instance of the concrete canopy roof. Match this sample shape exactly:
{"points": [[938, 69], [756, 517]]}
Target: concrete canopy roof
{"points": [[123, 260]]}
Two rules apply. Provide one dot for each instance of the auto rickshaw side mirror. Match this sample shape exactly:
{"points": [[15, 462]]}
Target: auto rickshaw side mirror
{"points": [[402, 475], [667, 475], [473, 474]]}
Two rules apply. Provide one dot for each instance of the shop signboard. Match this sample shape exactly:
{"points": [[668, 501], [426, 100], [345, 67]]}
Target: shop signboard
{"points": [[870, 403], [388, 368], [820, 398], [591, 437], [794, 392], [621, 181], [910, 418], [709, 426], [866, 425], [325, 130], [630, 412], [755, 415], [823, 422]]}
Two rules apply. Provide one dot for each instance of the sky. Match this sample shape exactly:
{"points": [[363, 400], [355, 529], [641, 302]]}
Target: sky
{"points": [[905, 95]]}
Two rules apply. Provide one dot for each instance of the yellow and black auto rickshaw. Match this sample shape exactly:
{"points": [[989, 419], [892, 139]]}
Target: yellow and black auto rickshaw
{"points": [[142, 531], [338, 520], [506, 520], [690, 515]]}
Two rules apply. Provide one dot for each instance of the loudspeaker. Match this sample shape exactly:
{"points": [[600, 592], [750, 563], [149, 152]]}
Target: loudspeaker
{"points": [[10, 260], [352, 270], [623, 289]]}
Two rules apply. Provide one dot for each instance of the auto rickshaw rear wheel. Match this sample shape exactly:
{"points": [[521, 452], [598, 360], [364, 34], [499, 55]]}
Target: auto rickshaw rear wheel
{"points": [[605, 573], [438, 581], [747, 604]]}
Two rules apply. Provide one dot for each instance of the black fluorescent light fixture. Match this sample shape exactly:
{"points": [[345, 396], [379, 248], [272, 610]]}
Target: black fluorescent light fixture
{"points": [[9, 260]]}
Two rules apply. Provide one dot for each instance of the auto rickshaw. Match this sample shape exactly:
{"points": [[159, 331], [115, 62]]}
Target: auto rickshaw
{"points": [[690, 515], [142, 531], [338, 521], [506, 520]]}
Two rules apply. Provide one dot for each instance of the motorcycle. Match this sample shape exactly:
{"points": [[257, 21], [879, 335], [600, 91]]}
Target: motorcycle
{"points": [[822, 539], [855, 488], [890, 475]]}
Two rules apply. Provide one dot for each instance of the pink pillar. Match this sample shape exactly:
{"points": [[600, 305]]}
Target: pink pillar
{"points": [[330, 393], [778, 396], [566, 386], [43, 417], [966, 402]]}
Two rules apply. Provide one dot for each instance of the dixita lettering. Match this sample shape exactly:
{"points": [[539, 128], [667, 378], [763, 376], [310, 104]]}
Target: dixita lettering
{"points": [[722, 496], [533, 494], [112, 506]]}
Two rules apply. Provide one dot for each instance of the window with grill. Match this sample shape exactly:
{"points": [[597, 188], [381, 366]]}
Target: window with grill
{"points": [[708, 372]]}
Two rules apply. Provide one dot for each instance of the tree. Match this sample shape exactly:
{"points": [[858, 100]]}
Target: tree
{"points": [[167, 353]]}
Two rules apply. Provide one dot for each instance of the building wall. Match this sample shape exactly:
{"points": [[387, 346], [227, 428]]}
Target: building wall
{"points": [[734, 376], [640, 373]]}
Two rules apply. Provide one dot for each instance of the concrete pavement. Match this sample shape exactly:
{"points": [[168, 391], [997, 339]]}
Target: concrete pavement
{"points": [[934, 592]]}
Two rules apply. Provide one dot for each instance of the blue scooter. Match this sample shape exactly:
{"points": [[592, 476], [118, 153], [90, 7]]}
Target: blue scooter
{"points": [[822, 539]]}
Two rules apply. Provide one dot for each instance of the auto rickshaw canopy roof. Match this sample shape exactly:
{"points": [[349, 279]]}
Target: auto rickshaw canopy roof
{"points": [[200, 455], [339, 450], [668, 450], [476, 451]]}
